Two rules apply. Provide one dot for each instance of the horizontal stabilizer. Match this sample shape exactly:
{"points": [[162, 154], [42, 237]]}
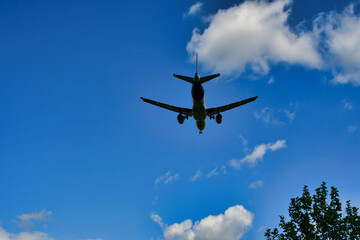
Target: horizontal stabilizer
{"points": [[186, 79], [208, 78]]}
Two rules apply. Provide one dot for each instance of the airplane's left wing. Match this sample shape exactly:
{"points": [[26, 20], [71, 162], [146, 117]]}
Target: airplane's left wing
{"points": [[185, 111], [213, 111]]}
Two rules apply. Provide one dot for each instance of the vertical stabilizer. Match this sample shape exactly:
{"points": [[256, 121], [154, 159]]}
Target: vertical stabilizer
{"points": [[197, 66]]}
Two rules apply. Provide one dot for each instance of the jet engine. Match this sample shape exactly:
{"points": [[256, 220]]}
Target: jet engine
{"points": [[180, 118], [218, 118]]}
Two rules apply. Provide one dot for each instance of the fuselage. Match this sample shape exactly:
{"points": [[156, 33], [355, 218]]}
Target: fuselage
{"points": [[198, 96]]}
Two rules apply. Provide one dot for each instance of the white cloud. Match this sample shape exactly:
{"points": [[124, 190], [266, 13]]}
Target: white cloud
{"points": [[156, 198], [4, 235], [290, 111], [196, 176], [271, 80], [172, 178], [235, 163], [30, 235], [34, 216], [194, 9], [167, 178], [231, 225], [161, 178], [213, 172], [257, 154], [244, 142], [255, 34], [347, 77], [340, 33], [347, 105], [156, 218], [278, 145], [27, 220], [267, 116], [290, 115], [223, 169], [256, 184], [352, 128], [251, 35]]}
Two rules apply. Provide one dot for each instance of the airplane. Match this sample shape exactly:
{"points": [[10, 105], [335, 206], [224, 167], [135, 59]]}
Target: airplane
{"points": [[199, 111]]}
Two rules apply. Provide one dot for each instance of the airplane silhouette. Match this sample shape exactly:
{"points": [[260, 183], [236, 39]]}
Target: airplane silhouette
{"points": [[199, 111]]}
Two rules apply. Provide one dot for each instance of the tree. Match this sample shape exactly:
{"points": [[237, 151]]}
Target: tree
{"points": [[318, 218]]}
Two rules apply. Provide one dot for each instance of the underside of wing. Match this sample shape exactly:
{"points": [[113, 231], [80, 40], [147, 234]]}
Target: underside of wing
{"points": [[213, 111], [185, 111]]}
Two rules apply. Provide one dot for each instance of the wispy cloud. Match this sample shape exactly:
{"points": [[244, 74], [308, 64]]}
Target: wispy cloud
{"points": [[27, 235], [229, 226], [279, 117], [194, 9], [352, 128], [290, 111], [156, 198], [162, 177], [172, 178], [216, 171], [4, 235], [223, 169], [257, 154], [271, 80], [196, 176], [156, 218], [267, 116], [244, 142], [167, 178], [256, 184], [289, 115], [347, 105], [212, 173], [28, 220]]}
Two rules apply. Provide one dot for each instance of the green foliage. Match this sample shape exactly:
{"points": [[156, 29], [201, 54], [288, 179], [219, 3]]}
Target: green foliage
{"points": [[318, 218]]}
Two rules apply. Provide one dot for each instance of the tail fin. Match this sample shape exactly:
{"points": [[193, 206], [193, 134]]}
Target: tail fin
{"points": [[186, 79], [208, 78], [197, 65]]}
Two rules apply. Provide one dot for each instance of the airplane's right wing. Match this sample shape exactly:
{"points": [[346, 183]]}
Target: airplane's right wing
{"points": [[185, 111], [213, 111]]}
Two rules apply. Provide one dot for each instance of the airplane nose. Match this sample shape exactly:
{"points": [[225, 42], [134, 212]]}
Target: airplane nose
{"points": [[201, 124]]}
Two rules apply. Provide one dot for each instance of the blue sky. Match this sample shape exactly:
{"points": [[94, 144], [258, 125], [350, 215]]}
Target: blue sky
{"points": [[82, 157]]}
